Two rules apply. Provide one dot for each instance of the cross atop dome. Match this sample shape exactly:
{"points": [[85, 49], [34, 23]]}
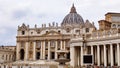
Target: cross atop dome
{"points": [[73, 9]]}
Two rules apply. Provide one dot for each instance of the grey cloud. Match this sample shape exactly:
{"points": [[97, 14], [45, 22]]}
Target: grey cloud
{"points": [[15, 12], [19, 14]]}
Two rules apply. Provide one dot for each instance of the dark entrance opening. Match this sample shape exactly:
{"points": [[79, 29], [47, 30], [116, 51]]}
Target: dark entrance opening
{"points": [[68, 55], [38, 55], [52, 55], [22, 54]]}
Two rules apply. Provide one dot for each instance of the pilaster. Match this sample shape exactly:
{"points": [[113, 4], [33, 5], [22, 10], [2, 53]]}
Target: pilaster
{"points": [[61, 46], [64, 44]]}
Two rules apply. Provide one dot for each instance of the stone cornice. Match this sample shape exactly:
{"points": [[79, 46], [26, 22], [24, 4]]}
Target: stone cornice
{"points": [[33, 38], [103, 39]]}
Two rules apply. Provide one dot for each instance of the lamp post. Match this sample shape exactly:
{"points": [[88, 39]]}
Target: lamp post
{"points": [[84, 42]]}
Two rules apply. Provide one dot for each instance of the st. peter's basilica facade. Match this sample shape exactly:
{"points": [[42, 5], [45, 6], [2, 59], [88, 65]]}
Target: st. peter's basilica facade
{"points": [[75, 35]]}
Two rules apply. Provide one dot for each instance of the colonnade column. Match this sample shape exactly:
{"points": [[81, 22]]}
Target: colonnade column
{"points": [[92, 53], [17, 51], [98, 55], [26, 50], [41, 47], [72, 56], [111, 54], [91, 50], [34, 50], [56, 46], [105, 58], [81, 55], [118, 54], [48, 50]]}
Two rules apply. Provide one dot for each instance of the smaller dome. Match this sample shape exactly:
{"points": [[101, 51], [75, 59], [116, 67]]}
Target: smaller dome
{"points": [[88, 24]]}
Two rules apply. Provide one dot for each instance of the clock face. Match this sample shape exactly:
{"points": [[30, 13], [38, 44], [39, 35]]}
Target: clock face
{"points": [[116, 19]]}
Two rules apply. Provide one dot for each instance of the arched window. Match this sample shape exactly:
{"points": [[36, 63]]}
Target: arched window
{"points": [[68, 30], [118, 25], [114, 25], [58, 31]]}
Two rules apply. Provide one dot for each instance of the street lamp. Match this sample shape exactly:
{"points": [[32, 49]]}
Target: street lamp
{"points": [[84, 42]]}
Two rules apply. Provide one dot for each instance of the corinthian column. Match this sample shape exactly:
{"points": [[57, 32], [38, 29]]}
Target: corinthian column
{"points": [[17, 51], [26, 50], [44, 49], [48, 50], [34, 50]]}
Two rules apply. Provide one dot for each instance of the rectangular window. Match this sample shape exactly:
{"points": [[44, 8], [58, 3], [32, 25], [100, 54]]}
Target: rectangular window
{"points": [[23, 32], [87, 30]]}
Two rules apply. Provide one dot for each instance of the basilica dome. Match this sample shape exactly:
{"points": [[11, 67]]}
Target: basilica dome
{"points": [[73, 18]]}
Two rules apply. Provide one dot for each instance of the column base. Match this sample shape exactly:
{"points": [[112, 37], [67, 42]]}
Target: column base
{"points": [[61, 66]]}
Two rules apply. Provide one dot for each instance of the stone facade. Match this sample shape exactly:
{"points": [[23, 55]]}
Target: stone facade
{"points": [[75, 35]]}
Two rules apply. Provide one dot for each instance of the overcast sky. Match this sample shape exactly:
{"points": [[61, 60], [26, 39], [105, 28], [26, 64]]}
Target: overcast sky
{"points": [[16, 12]]}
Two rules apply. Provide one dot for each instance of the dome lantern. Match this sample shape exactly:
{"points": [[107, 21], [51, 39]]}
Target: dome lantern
{"points": [[73, 9]]}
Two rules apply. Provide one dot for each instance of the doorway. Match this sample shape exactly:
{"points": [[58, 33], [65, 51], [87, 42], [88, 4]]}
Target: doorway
{"points": [[22, 54], [38, 55]]}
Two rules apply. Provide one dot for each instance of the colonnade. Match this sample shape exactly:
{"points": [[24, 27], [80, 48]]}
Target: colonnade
{"points": [[106, 55]]}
